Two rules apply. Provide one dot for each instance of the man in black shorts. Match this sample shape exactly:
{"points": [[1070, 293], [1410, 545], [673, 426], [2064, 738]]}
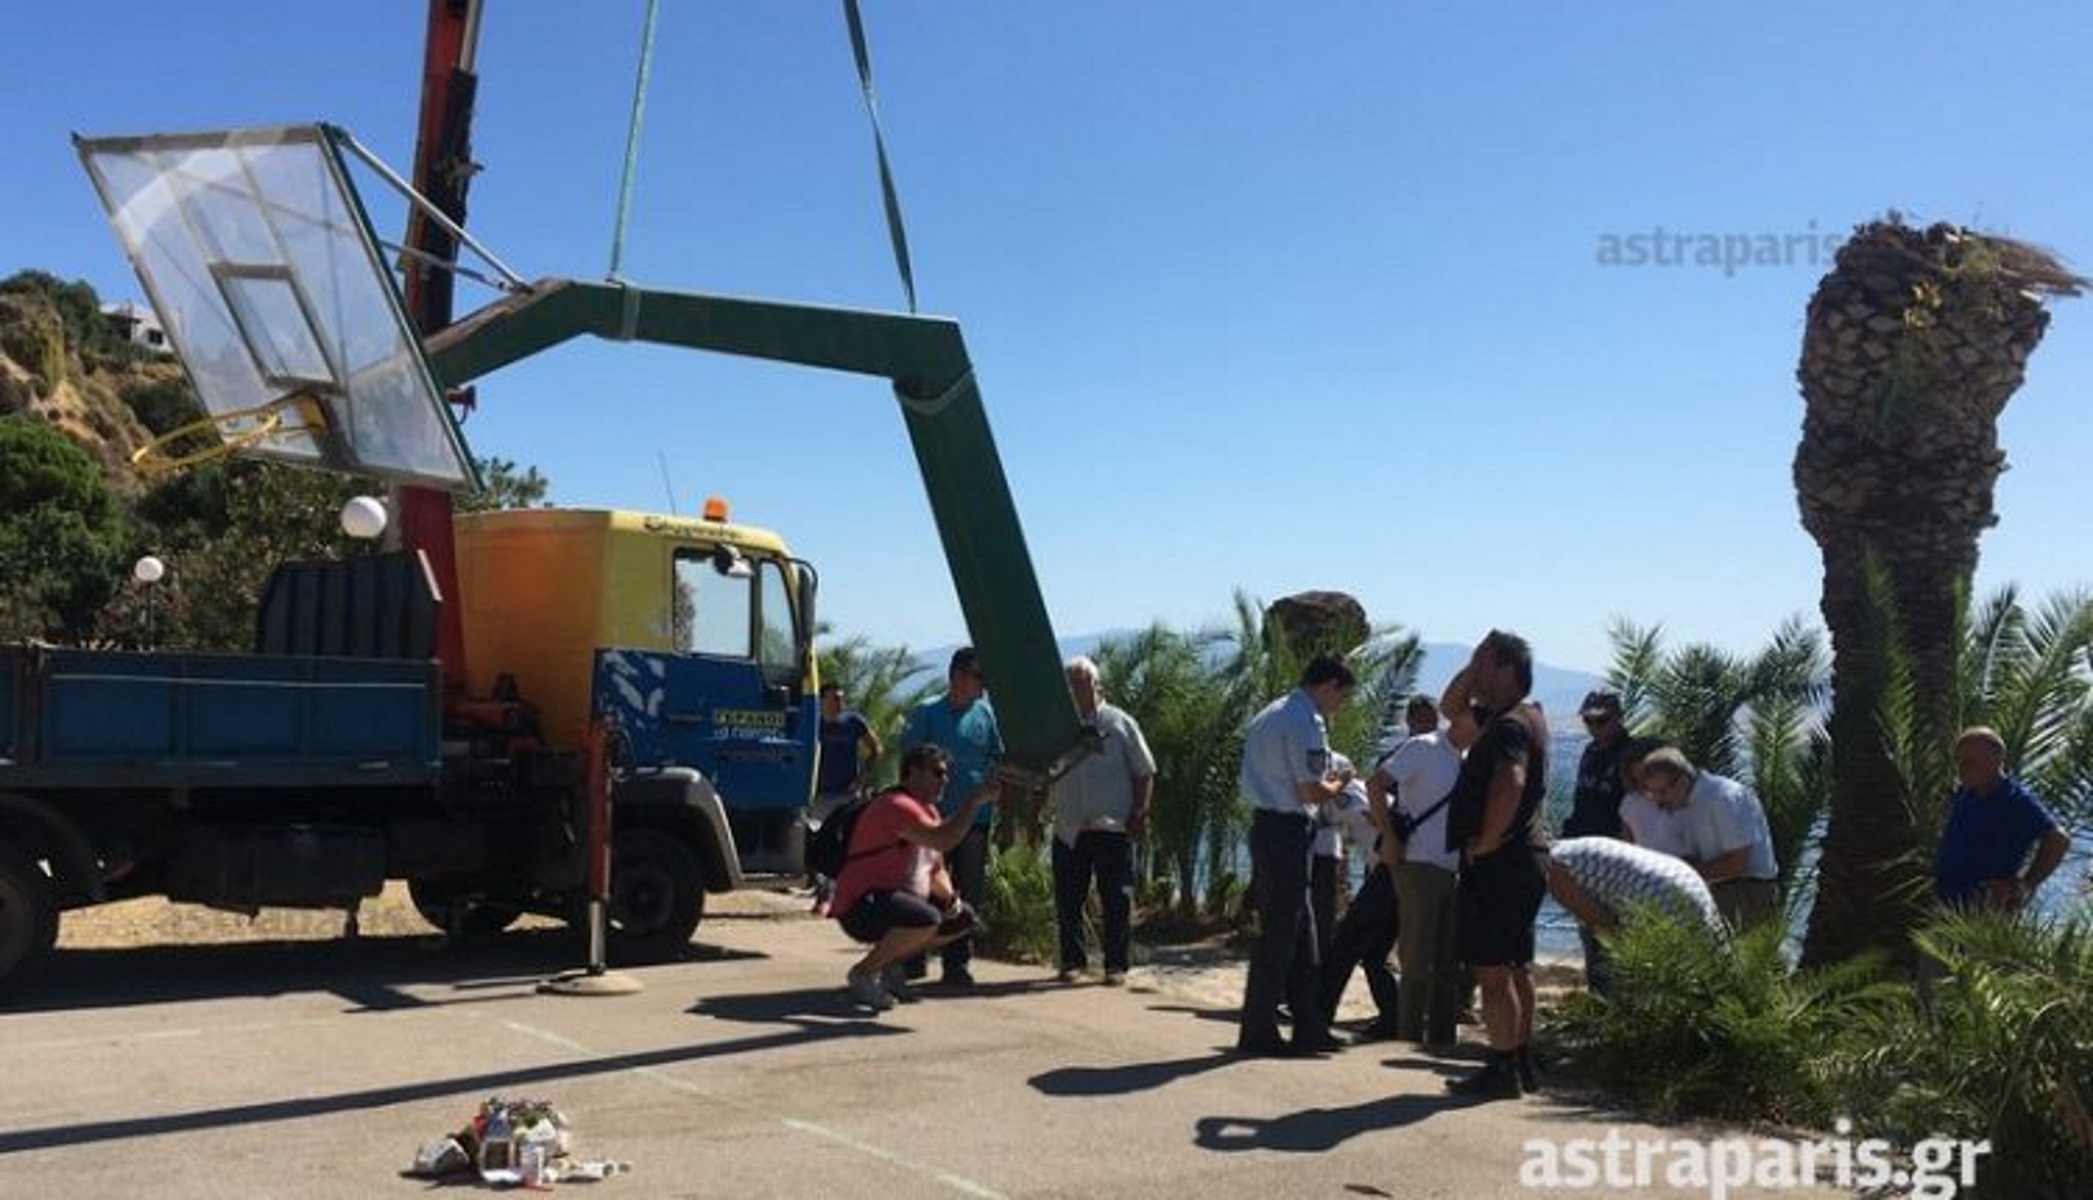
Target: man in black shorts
{"points": [[893, 892], [1494, 822]]}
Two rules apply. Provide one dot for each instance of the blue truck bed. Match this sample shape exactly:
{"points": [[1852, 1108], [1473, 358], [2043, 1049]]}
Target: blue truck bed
{"points": [[121, 719]]}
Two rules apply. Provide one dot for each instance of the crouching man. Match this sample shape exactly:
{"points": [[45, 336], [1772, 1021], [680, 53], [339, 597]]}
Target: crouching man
{"points": [[1600, 880], [894, 893]]}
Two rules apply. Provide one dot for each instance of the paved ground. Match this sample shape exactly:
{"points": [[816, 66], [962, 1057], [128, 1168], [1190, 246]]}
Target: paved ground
{"points": [[315, 1069]]}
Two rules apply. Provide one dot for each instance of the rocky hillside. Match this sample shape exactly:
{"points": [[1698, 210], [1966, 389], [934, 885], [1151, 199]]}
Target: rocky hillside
{"points": [[60, 363]]}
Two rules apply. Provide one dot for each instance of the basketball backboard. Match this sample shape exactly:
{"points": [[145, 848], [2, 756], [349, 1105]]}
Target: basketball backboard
{"points": [[258, 257]]}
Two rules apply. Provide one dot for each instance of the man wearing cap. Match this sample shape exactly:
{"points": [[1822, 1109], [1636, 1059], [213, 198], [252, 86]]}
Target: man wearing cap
{"points": [[1595, 806], [963, 724], [1727, 838]]}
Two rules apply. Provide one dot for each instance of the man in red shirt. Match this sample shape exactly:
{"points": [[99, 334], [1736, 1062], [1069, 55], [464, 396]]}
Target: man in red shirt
{"points": [[893, 892]]}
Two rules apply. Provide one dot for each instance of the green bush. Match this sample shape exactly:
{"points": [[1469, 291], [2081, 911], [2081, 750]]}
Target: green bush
{"points": [[62, 535], [1723, 1028], [2001, 1048], [1017, 909]]}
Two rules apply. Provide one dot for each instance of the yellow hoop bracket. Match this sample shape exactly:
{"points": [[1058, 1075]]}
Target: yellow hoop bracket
{"points": [[152, 459]]}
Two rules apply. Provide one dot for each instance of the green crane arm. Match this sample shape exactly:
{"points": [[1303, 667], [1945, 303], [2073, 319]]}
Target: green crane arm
{"points": [[926, 360]]}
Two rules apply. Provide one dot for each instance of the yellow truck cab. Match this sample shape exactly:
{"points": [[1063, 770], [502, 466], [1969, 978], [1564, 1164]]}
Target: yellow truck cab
{"points": [[691, 636]]}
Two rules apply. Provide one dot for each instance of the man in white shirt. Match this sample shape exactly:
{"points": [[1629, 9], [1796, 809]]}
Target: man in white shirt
{"points": [[1100, 809], [1727, 838], [1644, 821], [1420, 775]]}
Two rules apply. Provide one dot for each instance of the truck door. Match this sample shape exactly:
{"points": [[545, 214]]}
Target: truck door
{"points": [[729, 700]]}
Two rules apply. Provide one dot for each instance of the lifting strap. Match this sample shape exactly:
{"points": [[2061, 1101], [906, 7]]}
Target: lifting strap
{"points": [[879, 143], [632, 139]]}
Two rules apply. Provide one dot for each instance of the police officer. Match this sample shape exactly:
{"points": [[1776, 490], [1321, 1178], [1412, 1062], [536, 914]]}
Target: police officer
{"points": [[1287, 775]]}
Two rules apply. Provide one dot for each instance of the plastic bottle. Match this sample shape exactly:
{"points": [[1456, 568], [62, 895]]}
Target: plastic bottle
{"points": [[498, 1142]]}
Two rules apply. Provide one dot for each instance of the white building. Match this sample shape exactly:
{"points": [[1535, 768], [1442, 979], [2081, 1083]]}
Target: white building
{"points": [[140, 326]]}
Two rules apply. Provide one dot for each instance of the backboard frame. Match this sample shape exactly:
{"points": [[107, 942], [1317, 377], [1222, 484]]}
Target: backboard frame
{"points": [[280, 306]]}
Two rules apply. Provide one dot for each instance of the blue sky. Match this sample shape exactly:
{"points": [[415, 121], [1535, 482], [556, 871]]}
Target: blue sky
{"points": [[1270, 297]]}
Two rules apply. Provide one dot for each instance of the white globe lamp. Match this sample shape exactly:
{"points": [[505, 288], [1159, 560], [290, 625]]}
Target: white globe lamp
{"points": [[363, 517], [148, 570]]}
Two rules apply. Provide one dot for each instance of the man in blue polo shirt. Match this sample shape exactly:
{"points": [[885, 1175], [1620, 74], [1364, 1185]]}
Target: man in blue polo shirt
{"points": [[963, 724], [2000, 842], [1287, 775]]}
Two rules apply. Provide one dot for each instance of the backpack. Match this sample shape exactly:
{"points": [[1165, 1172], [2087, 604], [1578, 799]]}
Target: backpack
{"points": [[828, 844]]}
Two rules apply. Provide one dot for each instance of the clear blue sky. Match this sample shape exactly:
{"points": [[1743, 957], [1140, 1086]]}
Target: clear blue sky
{"points": [[1270, 297]]}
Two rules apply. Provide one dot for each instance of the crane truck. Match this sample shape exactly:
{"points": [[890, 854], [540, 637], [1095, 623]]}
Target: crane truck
{"points": [[515, 711]]}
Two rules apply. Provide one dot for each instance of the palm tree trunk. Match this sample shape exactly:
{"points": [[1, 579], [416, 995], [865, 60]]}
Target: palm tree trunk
{"points": [[1915, 342]]}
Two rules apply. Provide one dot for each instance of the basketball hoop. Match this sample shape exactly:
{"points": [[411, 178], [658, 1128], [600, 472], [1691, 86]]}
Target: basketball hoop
{"points": [[153, 461]]}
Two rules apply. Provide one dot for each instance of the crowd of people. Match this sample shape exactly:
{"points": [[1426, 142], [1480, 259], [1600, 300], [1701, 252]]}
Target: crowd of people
{"points": [[1460, 852]]}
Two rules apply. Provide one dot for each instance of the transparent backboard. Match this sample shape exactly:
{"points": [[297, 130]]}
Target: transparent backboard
{"points": [[259, 259]]}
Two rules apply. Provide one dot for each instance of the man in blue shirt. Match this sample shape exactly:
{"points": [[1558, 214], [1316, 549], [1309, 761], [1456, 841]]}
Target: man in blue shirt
{"points": [[2000, 842], [1287, 775], [963, 724], [843, 733]]}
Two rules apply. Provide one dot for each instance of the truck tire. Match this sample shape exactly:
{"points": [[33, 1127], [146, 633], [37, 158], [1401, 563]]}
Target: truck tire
{"points": [[657, 896], [435, 902], [28, 916]]}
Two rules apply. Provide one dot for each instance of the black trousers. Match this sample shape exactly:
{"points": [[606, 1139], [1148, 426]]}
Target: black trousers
{"points": [[1107, 855], [1364, 938], [1323, 879], [1283, 962]]}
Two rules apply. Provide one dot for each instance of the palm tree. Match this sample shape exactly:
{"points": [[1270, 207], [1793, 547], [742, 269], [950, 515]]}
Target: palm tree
{"points": [[1914, 343], [2024, 673]]}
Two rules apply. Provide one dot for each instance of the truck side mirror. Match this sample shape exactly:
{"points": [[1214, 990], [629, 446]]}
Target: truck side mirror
{"points": [[809, 583]]}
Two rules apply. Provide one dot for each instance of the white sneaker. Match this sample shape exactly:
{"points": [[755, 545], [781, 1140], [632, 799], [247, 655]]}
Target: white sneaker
{"points": [[866, 990]]}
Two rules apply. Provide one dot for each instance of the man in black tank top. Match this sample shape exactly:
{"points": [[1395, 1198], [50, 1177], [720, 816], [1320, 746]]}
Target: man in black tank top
{"points": [[1495, 824]]}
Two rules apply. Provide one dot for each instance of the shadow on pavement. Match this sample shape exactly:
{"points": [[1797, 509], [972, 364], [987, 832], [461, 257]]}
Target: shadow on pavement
{"points": [[510, 1079], [370, 972], [1317, 1129], [1232, 1016], [1123, 1080], [808, 1008]]}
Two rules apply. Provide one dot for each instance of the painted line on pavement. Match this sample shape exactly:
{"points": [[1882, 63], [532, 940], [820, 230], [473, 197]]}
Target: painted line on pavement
{"points": [[837, 1137], [159, 1035]]}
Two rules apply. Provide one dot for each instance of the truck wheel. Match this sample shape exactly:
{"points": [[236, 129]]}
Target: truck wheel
{"points": [[28, 916], [436, 901], [657, 896]]}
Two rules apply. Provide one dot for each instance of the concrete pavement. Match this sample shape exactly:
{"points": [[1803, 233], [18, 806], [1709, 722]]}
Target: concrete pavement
{"points": [[316, 1069]]}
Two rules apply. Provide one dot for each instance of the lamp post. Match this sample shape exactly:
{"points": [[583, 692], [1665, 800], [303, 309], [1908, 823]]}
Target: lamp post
{"points": [[149, 571]]}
